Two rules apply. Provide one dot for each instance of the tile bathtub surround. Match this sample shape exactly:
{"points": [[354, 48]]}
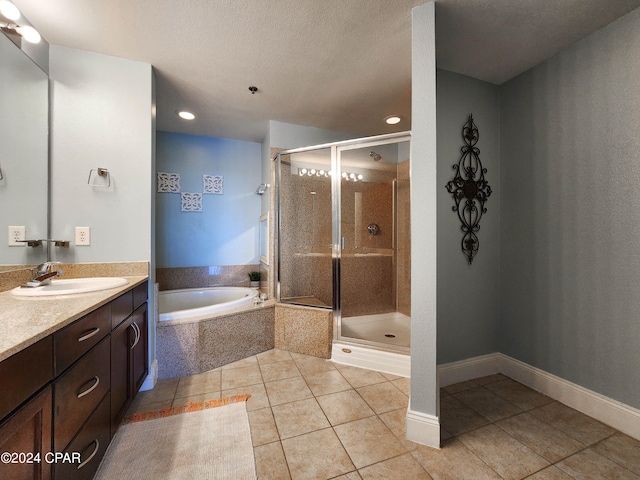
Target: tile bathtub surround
{"points": [[313, 419], [304, 330], [208, 276], [189, 348]]}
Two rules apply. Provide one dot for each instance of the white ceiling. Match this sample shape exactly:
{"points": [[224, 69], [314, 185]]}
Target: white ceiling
{"points": [[336, 64]]}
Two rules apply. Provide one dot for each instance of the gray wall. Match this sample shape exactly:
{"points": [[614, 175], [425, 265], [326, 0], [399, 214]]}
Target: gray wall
{"points": [[570, 223], [101, 116], [468, 295]]}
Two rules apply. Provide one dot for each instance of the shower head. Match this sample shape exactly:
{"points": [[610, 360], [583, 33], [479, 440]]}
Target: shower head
{"points": [[376, 157]]}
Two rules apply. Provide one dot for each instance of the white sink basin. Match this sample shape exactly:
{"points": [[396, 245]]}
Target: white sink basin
{"points": [[69, 286]]}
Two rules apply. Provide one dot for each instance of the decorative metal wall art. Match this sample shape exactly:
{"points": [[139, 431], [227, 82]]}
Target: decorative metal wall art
{"points": [[470, 190]]}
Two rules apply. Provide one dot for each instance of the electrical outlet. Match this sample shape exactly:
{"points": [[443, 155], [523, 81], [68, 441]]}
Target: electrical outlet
{"points": [[83, 236], [15, 235]]}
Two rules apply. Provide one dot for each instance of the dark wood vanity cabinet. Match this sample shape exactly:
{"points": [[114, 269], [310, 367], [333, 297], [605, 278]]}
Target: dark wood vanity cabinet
{"points": [[128, 362], [68, 392]]}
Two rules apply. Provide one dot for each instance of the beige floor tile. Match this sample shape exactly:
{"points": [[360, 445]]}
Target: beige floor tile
{"points": [[308, 364], [270, 462], [317, 455], [241, 377], [383, 397], [621, 449], [396, 420], [488, 404], [457, 418], [258, 397], [287, 390], [453, 461], [459, 387], [263, 427], [163, 391], [590, 465], [271, 356], [368, 441], [196, 384], [182, 401], [503, 453], [542, 438], [349, 476], [390, 376], [360, 377], [524, 397], [550, 473], [279, 370], [137, 407], [577, 425], [245, 362], [343, 407], [399, 468], [323, 383], [404, 384], [296, 418]]}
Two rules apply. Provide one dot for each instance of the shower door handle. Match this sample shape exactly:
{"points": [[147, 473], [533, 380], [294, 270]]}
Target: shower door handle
{"points": [[342, 243]]}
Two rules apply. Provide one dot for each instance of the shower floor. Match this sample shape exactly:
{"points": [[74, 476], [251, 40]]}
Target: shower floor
{"points": [[375, 328]]}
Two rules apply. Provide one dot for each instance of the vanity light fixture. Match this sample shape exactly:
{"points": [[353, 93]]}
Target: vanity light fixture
{"points": [[185, 115], [29, 34], [9, 10], [393, 119]]}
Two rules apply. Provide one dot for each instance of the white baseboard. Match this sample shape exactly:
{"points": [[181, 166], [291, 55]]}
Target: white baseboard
{"points": [[152, 377], [456, 372], [611, 412], [369, 358], [423, 429]]}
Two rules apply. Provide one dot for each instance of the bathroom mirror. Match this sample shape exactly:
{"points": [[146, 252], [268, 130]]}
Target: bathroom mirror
{"points": [[24, 151]]}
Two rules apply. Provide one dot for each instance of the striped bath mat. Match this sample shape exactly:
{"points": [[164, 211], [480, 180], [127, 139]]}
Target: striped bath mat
{"points": [[194, 442]]}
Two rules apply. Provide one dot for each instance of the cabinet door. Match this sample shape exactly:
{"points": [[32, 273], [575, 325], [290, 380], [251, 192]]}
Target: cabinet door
{"points": [[139, 349], [28, 431], [120, 367]]}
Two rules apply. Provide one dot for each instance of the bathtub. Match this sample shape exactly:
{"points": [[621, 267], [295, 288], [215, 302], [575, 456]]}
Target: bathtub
{"points": [[196, 302]]}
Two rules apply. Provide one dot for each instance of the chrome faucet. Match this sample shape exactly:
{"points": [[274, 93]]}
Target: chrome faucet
{"points": [[43, 275]]}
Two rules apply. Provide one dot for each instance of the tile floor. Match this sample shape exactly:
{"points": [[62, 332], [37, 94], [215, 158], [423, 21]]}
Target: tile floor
{"points": [[313, 419]]}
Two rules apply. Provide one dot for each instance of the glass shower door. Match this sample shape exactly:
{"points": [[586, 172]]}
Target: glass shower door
{"points": [[374, 234], [305, 213]]}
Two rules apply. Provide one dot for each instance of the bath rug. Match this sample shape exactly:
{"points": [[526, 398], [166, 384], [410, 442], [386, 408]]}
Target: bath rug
{"points": [[194, 442]]}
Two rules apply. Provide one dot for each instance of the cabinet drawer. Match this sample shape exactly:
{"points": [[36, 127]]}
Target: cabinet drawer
{"points": [[78, 391], [73, 341], [140, 294], [121, 308], [91, 443], [22, 374]]}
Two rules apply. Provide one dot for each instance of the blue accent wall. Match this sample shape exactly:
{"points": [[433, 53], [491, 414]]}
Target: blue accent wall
{"points": [[226, 231]]}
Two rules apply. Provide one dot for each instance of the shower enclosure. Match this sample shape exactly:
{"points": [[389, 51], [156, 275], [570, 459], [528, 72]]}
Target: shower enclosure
{"points": [[344, 236]]}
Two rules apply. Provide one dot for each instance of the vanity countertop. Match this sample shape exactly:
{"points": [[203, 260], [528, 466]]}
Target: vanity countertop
{"points": [[25, 320]]}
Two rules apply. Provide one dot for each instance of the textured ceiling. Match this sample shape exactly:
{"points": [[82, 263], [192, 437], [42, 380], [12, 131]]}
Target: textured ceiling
{"points": [[336, 64]]}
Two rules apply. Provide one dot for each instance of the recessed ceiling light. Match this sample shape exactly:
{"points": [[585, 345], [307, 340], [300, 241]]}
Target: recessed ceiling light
{"points": [[185, 115], [393, 119]]}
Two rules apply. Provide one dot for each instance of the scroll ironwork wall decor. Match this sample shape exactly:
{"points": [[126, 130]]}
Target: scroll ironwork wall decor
{"points": [[470, 189]]}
